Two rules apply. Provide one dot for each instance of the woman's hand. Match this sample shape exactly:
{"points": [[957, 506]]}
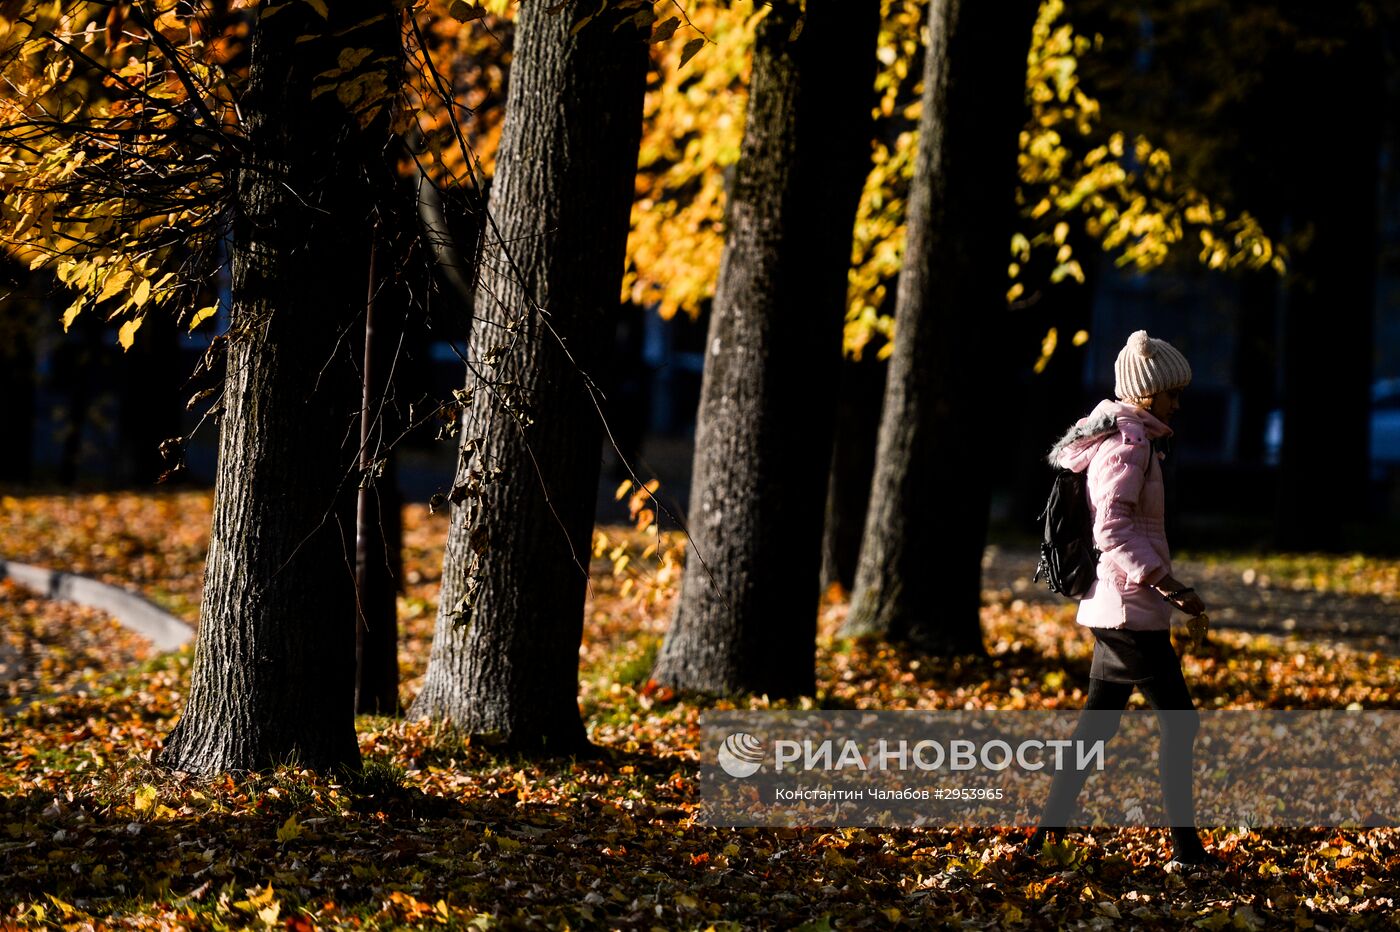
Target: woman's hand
{"points": [[1185, 597]]}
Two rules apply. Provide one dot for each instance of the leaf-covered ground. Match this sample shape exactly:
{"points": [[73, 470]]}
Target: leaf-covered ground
{"points": [[57, 647], [436, 832]]}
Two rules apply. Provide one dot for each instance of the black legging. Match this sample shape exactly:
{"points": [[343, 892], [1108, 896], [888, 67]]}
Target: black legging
{"points": [[1166, 692]]}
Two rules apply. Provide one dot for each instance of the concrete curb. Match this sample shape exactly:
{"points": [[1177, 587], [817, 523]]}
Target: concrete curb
{"points": [[133, 611]]}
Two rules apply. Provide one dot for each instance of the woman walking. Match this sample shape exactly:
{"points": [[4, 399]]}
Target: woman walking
{"points": [[1130, 603]]}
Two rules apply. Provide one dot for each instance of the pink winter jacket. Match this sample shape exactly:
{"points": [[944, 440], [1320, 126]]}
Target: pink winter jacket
{"points": [[1125, 498]]}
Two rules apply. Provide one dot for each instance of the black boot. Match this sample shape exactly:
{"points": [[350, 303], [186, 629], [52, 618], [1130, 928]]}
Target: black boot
{"points": [[1189, 854]]}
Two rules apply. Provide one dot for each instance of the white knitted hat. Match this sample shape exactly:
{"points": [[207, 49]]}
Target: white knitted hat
{"points": [[1146, 366]]}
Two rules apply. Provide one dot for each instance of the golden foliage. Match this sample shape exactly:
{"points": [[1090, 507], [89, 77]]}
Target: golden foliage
{"points": [[878, 247], [470, 58], [694, 124], [1123, 193], [645, 563], [118, 133], [60, 208], [111, 129]]}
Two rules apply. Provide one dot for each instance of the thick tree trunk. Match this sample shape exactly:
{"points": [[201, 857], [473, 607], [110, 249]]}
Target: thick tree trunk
{"points": [[274, 668], [920, 568], [852, 468], [1330, 315], [746, 618], [504, 663]]}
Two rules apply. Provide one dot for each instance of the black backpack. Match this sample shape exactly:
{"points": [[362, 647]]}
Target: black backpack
{"points": [[1068, 558]]}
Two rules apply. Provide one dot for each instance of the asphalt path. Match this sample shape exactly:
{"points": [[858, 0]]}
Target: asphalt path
{"points": [[1236, 599]]}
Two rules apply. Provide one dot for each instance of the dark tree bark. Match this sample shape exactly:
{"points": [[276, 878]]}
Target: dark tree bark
{"points": [[920, 567], [504, 663], [852, 468], [1330, 310], [746, 617], [274, 667]]}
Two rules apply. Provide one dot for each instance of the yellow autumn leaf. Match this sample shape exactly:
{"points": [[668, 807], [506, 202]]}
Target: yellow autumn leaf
{"points": [[1047, 349], [258, 899], [127, 334], [143, 293], [71, 313], [22, 227], [144, 798], [114, 284], [290, 830], [201, 315]]}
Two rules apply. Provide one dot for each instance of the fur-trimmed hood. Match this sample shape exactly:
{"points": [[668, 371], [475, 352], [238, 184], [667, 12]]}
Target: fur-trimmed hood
{"points": [[1074, 450]]}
